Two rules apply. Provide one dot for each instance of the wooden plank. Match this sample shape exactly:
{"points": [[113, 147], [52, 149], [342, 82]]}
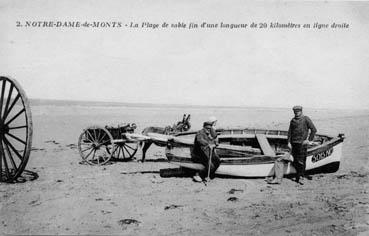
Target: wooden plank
{"points": [[264, 145], [159, 137], [134, 137], [166, 138], [232, 136], [184, 141], [238, 148]]}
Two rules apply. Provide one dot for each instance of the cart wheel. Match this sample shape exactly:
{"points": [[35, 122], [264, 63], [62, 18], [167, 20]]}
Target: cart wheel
{"points": [[15, 130], [95, 145], [125, 151]]}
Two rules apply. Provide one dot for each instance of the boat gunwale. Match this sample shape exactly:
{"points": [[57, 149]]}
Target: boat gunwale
{"points": [[251, 133], [238, 160], [270, 133]]}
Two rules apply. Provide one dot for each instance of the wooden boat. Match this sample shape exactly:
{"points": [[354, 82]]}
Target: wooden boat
{"points": [[252, 152]]}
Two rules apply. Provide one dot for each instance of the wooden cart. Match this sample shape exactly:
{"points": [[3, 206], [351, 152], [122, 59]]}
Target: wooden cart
{"points": [[97, 144]]}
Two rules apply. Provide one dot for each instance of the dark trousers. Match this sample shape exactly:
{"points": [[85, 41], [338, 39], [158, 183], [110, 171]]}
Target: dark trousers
{"points": [[299, 153], [203, 158]]}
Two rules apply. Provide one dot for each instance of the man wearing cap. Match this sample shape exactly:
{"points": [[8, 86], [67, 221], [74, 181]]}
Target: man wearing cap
{"points": [[298, 139], [205, 141]]}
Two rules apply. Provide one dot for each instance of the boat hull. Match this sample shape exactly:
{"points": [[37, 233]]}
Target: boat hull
{"points": [[322, 158]]}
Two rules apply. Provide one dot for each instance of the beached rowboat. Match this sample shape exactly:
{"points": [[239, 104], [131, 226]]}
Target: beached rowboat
{"points": [[252, 152]]}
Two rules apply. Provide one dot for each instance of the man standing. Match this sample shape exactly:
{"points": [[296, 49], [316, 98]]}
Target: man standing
{"points": [[205, 141], [298, 139]]}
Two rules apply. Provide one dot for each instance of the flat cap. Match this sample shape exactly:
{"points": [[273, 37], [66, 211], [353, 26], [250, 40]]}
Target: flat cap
{"points": [[297, 108], [210, 120]]}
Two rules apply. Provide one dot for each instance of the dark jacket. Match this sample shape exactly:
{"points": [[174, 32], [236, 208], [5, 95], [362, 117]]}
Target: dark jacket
{"points": [[203, 139], [299, 129]]}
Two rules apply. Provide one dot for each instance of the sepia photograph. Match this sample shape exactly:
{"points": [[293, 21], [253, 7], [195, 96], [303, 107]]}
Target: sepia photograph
{"points": [[184, 117]]}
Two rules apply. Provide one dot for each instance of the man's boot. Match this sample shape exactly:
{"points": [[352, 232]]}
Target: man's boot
{"points": [[308, 177], [300, 180]]}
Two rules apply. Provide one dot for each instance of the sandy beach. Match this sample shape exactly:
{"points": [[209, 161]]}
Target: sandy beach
{"points": [[61, 195]]}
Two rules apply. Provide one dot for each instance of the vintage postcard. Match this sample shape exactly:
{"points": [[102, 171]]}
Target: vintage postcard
{"points": [[184, 117]]}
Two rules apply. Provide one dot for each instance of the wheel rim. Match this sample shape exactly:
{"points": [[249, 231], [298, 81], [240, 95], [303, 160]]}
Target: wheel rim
{"points": [[15, 129], [125, 150], [95, 145]]}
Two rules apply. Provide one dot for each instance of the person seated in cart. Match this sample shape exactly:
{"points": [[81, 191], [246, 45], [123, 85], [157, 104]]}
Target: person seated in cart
{"points": [[205, 141]]}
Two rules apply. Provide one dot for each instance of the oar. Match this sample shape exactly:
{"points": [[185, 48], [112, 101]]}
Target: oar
{"points": [[210, 156]]}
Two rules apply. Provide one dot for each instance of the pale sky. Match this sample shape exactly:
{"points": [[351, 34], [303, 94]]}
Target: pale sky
{"points": [[241, 67]]}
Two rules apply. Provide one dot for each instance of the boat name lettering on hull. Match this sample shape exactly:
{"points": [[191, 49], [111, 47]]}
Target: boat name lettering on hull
{"points": [[322, 155]]}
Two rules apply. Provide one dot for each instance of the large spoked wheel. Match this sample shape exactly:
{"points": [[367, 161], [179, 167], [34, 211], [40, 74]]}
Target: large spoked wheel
{"points": [[125, 151], [15, 130], [95, 145]]}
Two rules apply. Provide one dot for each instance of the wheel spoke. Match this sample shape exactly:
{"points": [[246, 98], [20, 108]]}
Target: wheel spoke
{"points": [[95, 135], [10, 156], [16, 138], [6, 168], [93, 156], [124, 156], [104, 143], [13, 148], [6, 112], [2, 97], [130, 147], [89, 135], [5, 163], [119, 151], [87, 149], [85, 146], [19, 127], [86, 143], [85, 139], [9, 98], [1, 164], [14, 117], [127, 150], [89, 154], [102, 137]]}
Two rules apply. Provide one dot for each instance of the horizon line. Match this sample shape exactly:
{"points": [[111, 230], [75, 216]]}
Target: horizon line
{"points": [[116, 103]]}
